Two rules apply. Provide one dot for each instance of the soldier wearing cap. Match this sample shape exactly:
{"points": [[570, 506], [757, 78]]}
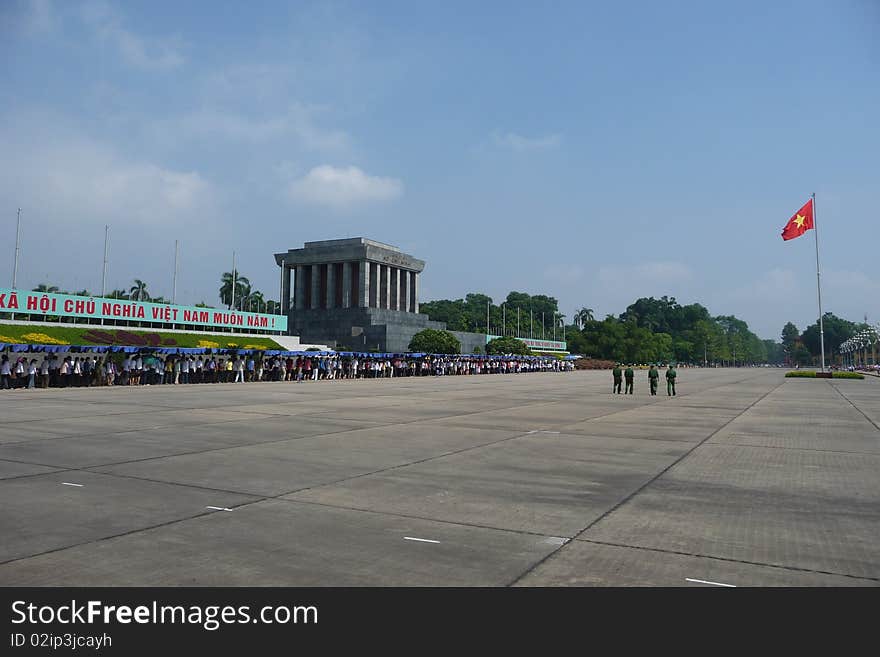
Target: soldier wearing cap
{"points": [[628, 374], [670, 380], [617, 378], [653, 377]]}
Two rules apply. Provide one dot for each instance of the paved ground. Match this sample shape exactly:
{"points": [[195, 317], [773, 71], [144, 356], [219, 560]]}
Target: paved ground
{"points": [[744, 478]]}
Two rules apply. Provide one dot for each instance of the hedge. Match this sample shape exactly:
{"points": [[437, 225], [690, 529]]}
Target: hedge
{"points": [[811, 374]]}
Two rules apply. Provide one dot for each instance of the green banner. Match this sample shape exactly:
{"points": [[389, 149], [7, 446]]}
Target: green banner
{"points": [[66, 305]]}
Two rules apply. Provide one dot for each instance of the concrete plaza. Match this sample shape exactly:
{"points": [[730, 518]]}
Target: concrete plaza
{"points": [[744, 478]]}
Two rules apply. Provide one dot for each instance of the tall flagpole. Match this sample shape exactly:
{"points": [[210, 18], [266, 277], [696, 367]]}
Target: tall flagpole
{"points": [[104, 268], [232, 304], [818, 285], [174, 283], [17, 249]]}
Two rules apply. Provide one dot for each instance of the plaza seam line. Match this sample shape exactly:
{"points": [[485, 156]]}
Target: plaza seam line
{"points": [[94, 467], [647, 483], [171, 522], [121, 535], [698, 555], [798, 449], [90, 468], [874, 424], [255, 501], [104, 465], [397, 514]]}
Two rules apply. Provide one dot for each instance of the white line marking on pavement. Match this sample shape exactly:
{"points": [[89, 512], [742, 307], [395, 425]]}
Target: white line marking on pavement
{"points": [[555, 540], [65, 483], [702, 581], [218, 508], [421, 540]]}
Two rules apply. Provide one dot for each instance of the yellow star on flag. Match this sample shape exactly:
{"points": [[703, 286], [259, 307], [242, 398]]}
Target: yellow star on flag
{"points": [[799, 220]]}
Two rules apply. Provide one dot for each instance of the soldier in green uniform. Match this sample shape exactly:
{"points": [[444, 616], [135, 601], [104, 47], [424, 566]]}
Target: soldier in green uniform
{"points": [[628, 374], [670, 380], [617, 378], [653, 377]]}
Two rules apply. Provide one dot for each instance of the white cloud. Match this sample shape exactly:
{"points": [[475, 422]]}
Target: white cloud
{"points": [[78, 180], [521, 144], [342, 187], [147, 54], [298, 123]]}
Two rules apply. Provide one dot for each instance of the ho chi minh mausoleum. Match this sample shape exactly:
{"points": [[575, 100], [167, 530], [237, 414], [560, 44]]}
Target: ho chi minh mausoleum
{"points": [[358, 293]]}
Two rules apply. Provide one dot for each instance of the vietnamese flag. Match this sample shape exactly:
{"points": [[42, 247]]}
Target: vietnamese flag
{"points": [[800, 223]]}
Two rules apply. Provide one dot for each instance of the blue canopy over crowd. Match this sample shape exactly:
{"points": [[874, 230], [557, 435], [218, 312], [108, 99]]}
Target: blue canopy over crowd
{"points": [[87, 365]]}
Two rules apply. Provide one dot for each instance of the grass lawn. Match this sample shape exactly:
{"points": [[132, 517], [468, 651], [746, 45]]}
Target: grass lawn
{"points": [[90, 334]]}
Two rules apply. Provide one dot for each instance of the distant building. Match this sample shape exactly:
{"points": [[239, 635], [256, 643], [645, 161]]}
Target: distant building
{"points": [[361, 294]]}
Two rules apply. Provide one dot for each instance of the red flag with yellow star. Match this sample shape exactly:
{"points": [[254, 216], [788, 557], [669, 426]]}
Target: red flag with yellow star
{"points": [[800, 223]]}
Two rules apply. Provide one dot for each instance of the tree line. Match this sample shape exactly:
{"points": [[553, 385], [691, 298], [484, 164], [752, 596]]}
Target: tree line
{"points": [[649, 330], [804, 348], [520, 314], [662, 330]]}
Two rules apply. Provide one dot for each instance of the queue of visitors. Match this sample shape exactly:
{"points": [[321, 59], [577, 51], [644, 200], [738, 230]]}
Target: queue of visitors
{"points": [[66, 371]]}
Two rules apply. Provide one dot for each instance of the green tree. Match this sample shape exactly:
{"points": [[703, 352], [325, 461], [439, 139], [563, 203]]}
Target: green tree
{"points": [[583, 316], [837, 331], [507, 345], [432, 341], [242, 288], [790, 336], [138, 291], [46, 288]]}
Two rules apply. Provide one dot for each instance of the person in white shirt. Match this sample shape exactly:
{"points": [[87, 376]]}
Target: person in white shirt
{"points": [[64, 372], [32, 373], [5, 372]]}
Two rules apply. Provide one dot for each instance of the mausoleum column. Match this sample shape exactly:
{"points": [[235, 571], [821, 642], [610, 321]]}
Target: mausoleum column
{"points": [[404, 290], [316, 286], [346, 285], [395, 292], [364, 284], [299, 297], [331, 286], [285, 288], [414, 295]]}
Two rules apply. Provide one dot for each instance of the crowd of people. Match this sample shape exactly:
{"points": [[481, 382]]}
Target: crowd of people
{"points": [[66, 371]]}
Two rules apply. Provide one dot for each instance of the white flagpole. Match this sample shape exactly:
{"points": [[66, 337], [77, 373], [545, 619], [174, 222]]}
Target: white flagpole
{"points": [[174, 282], [17, 249], [232, 304], [818, 284], [104, 268]]}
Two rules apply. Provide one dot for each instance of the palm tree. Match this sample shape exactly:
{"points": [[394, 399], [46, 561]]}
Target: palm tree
{"points": [[583, 316], [242, 288], [254, 302], [118, 294], [45, 287], [138, 291]]}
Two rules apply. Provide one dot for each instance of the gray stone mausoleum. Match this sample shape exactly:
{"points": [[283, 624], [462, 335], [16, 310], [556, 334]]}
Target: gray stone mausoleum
{"points": [[359, 293]]}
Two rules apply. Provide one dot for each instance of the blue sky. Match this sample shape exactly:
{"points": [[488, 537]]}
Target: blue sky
{"points": [[597, 152]]}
